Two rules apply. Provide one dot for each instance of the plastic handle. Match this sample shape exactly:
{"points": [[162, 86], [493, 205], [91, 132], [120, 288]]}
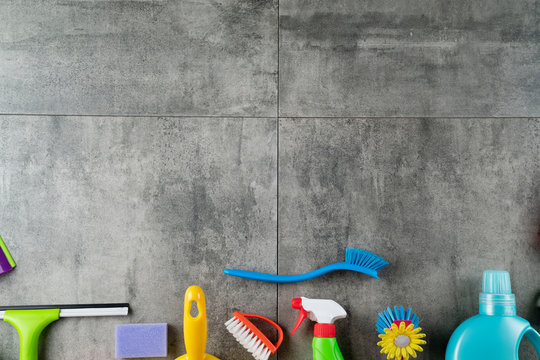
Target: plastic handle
{"points": [[260, 334], [284, 279], [534, 337], [30, 324], [5, 250], [195, 328]]}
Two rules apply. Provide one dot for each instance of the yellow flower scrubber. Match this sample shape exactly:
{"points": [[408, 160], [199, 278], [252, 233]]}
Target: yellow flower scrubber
{"points": [[399, 332]]}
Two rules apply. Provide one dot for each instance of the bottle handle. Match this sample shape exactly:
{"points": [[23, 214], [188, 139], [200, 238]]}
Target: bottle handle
{"points": [[534, 337]]}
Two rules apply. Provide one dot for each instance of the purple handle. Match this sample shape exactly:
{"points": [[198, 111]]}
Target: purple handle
{"points": [[5, 266]]}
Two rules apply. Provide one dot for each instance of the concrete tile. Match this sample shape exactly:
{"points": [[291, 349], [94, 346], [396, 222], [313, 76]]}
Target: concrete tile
{"points": [[135, 210], [409, 58], [139, 57], [441, 200]]}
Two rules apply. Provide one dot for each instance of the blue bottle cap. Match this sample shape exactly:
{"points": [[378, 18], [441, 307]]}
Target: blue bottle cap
{"points": [[496, 282], [496, 297]]}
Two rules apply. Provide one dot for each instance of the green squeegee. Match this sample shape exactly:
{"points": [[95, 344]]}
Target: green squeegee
{"points": [[31, 320]]}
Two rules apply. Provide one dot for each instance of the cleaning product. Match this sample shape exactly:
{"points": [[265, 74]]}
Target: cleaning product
{"points": [[250, 337], [355, 259], [399, 333], [497, 331], [6, 261], [324, 313], [141, 340], [195, 328], [31, 320]]}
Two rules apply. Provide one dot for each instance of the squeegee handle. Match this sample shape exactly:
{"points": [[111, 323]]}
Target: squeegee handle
{"points": [[30, 324]]}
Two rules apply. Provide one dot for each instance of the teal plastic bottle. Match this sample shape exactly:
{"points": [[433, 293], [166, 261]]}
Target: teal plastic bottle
{"points": [[495, 333]]}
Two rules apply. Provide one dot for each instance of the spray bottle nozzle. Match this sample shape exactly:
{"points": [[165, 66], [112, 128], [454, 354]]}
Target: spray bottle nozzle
{"points": [[297, 304], [318, 310]]}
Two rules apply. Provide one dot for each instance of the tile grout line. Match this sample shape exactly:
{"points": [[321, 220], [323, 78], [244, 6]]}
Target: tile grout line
{"points": [[277, 222], [277, 169], [408, 117], [140, 116], [270, 116]]}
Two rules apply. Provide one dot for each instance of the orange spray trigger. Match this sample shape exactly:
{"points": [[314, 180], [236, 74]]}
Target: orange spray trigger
{"points": [[297, 304]]}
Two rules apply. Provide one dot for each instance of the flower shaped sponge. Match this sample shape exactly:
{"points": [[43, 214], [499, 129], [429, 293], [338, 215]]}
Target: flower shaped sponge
{"points": [[399, 333], [401, 342]]}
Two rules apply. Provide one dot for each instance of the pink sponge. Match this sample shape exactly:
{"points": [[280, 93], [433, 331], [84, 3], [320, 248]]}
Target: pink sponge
{"points": [[141, 340]]}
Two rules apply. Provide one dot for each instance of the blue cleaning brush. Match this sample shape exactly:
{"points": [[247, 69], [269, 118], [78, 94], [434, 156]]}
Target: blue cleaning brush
{"points": [[356, 260], [387, 318]]}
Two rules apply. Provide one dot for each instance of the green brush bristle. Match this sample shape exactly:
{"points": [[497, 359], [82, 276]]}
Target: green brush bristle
{"points": [[364, 259]]}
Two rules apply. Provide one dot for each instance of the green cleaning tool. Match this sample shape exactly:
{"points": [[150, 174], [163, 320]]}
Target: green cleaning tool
{"points": [[31, 320], [324, 313], [6, 261]]}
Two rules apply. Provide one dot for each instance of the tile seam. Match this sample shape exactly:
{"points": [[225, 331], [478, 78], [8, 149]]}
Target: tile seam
{"points": [[277, 162]]}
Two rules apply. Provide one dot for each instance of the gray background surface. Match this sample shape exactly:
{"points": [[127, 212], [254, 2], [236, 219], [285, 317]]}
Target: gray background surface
{"points": [[147, 145]]}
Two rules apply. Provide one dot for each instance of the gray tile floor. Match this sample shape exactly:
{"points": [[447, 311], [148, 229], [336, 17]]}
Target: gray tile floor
{"points": [[147, 145]]}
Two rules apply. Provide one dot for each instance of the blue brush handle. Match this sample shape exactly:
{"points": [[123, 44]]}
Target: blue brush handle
{"points": [[282, 279]]}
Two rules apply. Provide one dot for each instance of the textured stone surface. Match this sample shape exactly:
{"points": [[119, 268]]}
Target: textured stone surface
{"points": [[120, 209], [409, 58], [103, 208], [138, 57], [441, 200]]}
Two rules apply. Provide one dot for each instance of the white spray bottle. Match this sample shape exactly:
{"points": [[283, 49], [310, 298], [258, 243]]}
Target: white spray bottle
{"points": [[324, 313]]}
